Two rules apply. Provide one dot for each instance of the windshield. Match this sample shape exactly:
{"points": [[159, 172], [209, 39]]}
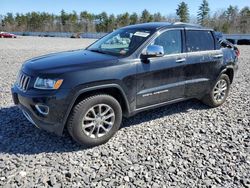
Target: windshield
{"points": [[122, 42]]}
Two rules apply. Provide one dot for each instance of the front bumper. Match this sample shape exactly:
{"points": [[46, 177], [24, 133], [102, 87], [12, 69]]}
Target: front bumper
{"points": [[57, 101]]}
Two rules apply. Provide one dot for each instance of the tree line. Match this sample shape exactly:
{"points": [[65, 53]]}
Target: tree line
{"points": [[231, 20]]}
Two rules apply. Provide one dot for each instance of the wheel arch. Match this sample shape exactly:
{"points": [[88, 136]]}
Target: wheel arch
{"points": [[111, 89], [229, 71]]}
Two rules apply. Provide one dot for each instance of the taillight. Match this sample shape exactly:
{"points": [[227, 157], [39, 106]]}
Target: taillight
{"points": [[237, 51]]}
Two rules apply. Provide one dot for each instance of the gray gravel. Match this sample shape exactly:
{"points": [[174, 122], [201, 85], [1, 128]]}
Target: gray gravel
{"points": [[181, 145]]}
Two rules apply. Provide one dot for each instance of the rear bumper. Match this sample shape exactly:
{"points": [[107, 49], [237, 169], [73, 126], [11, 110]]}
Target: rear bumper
{"points": [[57, 103]]}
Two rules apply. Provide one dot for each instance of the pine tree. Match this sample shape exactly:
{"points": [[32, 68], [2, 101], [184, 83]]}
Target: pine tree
{"points": [[244, 20], [231, 13], [146, 16], [134, 18], [158, 17], [182, 12], [64, 17], [203, 13]]}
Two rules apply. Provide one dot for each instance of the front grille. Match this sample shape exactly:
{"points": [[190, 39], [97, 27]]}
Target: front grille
{"points": [[23, 81]]}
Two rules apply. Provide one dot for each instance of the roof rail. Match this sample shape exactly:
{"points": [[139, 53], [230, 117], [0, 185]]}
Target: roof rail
{"points": [[187, 24]]}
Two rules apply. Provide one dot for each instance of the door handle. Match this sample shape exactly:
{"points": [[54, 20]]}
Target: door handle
{"points": [[218, 56], [181, 60]]}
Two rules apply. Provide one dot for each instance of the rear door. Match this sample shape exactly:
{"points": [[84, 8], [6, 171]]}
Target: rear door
{"points": [[203, 62]]}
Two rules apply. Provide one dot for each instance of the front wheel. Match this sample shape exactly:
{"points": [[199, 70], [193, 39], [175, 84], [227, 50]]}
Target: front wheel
{"points": [[95, 120], [219, 93]]}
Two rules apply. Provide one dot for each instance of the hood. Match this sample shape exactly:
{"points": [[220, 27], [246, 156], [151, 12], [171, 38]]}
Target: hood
{"points": [[62, 62]]}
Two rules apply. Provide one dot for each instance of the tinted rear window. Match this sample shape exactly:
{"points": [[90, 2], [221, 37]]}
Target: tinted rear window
{"points": [[199, 41]]}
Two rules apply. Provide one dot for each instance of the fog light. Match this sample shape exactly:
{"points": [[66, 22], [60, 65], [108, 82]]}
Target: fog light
{"points": [[42, 109]]}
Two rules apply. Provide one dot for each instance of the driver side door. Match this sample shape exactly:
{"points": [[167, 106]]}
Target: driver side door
{"points": [[161, 79]]}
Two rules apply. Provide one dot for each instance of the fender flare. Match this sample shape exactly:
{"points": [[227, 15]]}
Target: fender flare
{"points": [[227, 68]]}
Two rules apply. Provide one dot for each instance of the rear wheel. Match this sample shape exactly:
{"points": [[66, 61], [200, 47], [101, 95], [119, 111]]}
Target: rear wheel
{"points": [[95, 120], [219, 93]]}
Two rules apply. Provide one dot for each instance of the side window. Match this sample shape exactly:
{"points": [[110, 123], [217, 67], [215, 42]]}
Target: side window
{"points": [[170, 41], [199, 41]]}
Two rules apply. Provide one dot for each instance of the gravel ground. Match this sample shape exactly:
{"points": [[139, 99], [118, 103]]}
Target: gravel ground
{"points": [[181, 145]]}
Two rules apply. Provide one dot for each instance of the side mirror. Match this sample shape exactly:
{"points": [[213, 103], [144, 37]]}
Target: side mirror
{"points": [[153, 51]]}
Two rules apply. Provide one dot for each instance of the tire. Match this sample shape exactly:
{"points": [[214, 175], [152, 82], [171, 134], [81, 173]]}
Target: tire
{"points": [[217, 96], [85, 120]]}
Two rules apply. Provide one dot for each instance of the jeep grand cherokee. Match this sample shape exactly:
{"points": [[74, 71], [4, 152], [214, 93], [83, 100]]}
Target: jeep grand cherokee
{"points": [[130, 70]]}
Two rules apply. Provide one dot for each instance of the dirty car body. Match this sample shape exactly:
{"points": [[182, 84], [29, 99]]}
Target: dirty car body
{"points": [[190, 62]]}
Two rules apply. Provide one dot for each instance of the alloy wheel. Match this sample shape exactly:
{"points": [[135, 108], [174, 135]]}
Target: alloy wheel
{"points": [[98, 120], [220, 90]]}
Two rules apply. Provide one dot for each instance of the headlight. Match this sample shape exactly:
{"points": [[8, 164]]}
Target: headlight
{"points": [[45, 83]]}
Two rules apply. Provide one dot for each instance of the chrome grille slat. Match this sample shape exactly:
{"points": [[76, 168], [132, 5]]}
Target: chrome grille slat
{"points": [[23, 81], [23, 84]]}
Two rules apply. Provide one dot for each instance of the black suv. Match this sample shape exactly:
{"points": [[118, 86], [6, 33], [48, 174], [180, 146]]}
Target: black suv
{"points": [[130, 70]]}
